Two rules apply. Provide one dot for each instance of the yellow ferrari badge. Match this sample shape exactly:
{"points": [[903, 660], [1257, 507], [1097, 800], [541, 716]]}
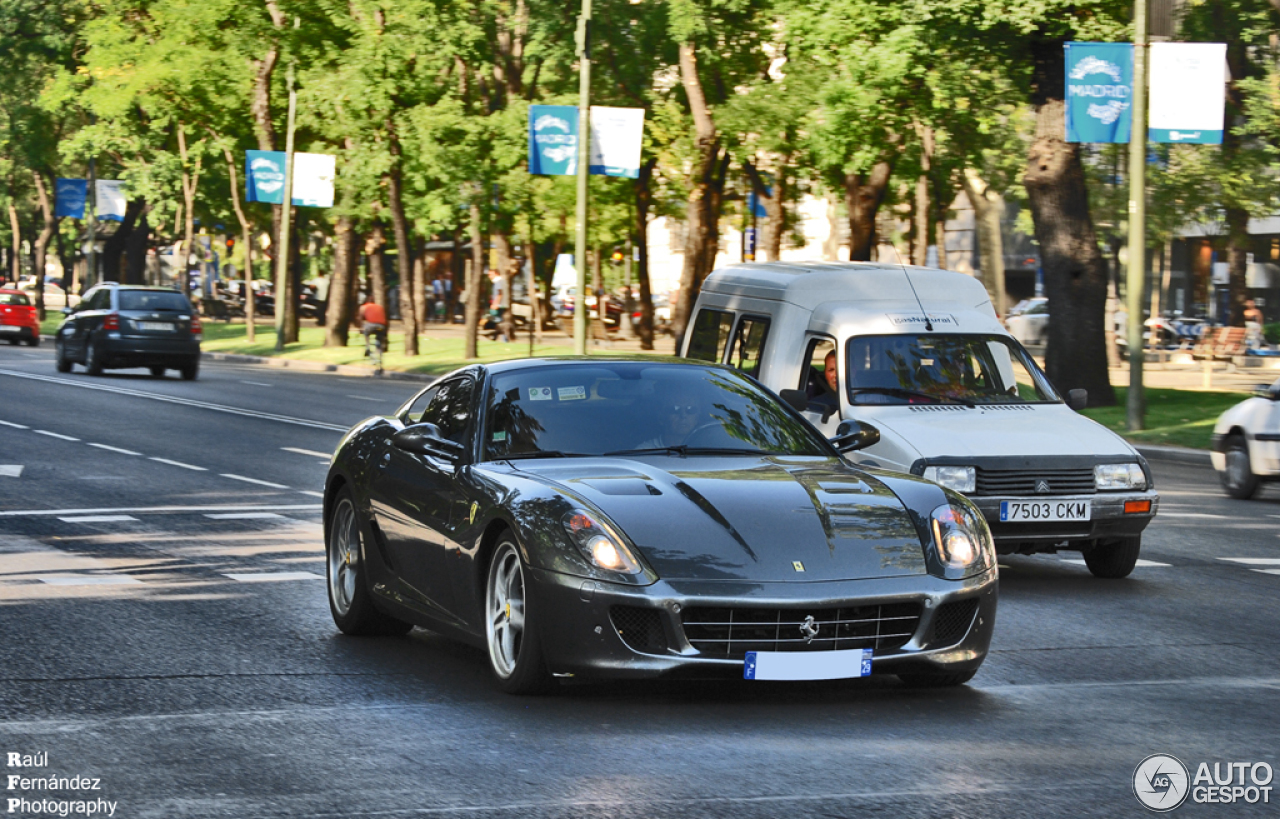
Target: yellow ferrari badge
{"points": [[797, 565], [475, 507]]}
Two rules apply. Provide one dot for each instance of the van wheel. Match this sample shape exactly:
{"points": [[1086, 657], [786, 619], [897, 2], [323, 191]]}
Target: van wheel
{"points": [[1113, 559]]}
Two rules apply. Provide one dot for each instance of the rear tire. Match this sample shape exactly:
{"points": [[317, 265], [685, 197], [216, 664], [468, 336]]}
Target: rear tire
{"points": [[34, 342], [60, 357], [350, 600], [13, 342], [191, 371], [1113, 559], [937, 680], [1238, 478], [157, 372], [93, 359]]}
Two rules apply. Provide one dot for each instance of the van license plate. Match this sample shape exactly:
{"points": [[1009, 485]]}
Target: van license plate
{"points": [[1032, 511]]}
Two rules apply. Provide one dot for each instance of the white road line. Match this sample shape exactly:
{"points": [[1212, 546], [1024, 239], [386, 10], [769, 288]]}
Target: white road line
{"points": [[176, 400], [257, 384], [95, 518], [1254, 561], [312, 493], [10, 470], [162, 510], [246, 516], [12, 424], [90, 580], [1267, 571], [266, 577], [365, 398], [254, 480], [1165, 514], [54, 434], [116, 449], [1150, 564], [324, 455], [179, 463]]}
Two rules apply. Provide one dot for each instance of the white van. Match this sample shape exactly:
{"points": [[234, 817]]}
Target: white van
{"points": [[919, 355]]}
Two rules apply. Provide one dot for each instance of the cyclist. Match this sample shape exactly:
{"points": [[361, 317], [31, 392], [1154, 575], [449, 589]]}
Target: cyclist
{"points": [[374, 320]]}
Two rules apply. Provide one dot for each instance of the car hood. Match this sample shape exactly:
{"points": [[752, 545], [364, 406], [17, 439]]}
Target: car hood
{"points": [[1025, 430], [742, 518]]}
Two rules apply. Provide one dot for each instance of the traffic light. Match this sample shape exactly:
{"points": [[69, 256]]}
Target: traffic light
{"points": [[231, 245], [618, 257]]}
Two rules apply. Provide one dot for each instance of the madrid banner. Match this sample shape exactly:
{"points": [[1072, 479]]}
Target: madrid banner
{"points": [[109, 201], [1099, 90], [313, 176], [553, 140], [69, 197], [1188, 90], [616, 135]]}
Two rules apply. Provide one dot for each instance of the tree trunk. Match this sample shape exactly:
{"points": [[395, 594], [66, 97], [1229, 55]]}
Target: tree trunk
{"points": [[49, 226], [135, 249], [923, 213], [503, 257], [863, 195], [988, 208], [644, 197], [338, 318], [1237, 222], [190, 179], [376, 275], [1075, 273], [15, 257], [474, 278], [770, 238], [246, 236], [113, 248], [420, 284], [404, 250]]}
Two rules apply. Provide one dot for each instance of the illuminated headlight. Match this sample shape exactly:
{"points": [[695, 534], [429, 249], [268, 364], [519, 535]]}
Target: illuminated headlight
{"points": [[962, 539], [1119, 476], [960, 478], [599, 544]]}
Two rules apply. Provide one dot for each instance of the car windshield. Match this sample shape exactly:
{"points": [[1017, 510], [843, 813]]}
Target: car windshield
{"points": [[13, 298], [154, 300], [625, 408], [949, 369]]}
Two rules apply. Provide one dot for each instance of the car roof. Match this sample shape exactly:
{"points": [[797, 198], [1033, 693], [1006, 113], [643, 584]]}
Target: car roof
{"points": [[594, 360]]}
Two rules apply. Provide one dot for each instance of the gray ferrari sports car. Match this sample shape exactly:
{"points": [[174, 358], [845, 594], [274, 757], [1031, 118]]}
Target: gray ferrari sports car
{"points": [[640, 518]]}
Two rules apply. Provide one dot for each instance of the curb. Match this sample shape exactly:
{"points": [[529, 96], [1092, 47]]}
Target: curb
{"points": [[318, 367], [1174, 454]]}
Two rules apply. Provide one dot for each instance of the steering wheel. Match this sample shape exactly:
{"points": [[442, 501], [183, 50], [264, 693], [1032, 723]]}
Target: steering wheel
{"points": [[700, 428]]}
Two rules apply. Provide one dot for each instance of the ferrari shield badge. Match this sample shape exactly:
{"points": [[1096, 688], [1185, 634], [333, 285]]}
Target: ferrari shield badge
{"points": [[475, 507]]}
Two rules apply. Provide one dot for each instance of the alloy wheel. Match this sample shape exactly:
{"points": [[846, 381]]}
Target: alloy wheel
{"points": [[505, 607], [344, 557]]}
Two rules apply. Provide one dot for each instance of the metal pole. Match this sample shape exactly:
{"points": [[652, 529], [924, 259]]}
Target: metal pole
{"points": [[584, 163], [283, 289], [1135, 407], [91, 223]]}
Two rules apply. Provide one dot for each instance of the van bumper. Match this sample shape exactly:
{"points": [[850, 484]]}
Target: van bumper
{"points": [[1107, 519]]}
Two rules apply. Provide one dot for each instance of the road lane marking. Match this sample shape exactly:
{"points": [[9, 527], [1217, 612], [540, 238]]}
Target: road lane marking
{"points": [[10, 470], [257, 384], [162, 510], [116, 449], [95, 518], [1254, 561], [254, 480], [365, 398], [179, 463], [311, 492], [15, 426], [1150, 564], [90, 580], [1267, 571], [267, 577], [324, 455], [245, 516], [1205, 516], [267, 416], [54, 434]]}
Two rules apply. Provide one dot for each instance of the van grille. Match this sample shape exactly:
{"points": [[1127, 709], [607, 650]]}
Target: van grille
{"points": [[732, 632], [1026, 481]]}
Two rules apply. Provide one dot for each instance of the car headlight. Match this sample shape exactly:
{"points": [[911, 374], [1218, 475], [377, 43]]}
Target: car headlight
{"points": [[599, 544], [962, 540], [1119, 476], [960, 478]]}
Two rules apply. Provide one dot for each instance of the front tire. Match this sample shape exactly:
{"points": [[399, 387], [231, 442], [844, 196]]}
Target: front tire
{"points": [[1113, 559], [1238, 478], [350, 600], [515, 651], [93, 359]]}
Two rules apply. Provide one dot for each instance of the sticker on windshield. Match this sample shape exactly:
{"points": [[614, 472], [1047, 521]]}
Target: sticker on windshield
{"points": [[539, 393], [499, 436], [572, 393]]}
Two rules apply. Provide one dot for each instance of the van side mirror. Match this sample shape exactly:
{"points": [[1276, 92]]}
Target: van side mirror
{"points": [[796, 399], [427, 439], [851, 435], [1078, 399]]}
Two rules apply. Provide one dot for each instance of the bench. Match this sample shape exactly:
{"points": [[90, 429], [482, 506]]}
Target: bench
{"points": [[1222, 345]]}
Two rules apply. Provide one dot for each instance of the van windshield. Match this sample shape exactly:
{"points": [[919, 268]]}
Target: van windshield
{"points": [[937, 368]]}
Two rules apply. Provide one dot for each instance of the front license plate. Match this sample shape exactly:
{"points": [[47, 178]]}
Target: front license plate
{"points": [[159, 326], [807, 665], [1033, 511]]}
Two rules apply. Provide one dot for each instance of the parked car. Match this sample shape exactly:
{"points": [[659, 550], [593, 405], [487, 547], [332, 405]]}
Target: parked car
{"points": [[1246, 443], [920, 354], [1030, 324], [119, 326], [641, 518], [18, 319]]}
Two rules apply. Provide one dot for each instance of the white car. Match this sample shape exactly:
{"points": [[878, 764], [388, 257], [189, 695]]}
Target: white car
{"points": [[1030, 325], [1246, 443]]}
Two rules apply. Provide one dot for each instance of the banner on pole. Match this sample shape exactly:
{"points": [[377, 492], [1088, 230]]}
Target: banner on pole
{"points": [[616, 135], [313, 176], [264, 177], [1188, 91], [70, 196], [109, 201], [1099, 86], [553, 140]]}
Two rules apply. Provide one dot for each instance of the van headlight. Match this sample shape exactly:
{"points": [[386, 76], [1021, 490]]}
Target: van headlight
{"points": [[962, 540], [1119, 476], [962, 479], [602, 547]]}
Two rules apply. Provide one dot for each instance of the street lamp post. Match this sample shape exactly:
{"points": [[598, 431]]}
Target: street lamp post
{"points": [[284, 286], [1135, 406], [584, 168]]}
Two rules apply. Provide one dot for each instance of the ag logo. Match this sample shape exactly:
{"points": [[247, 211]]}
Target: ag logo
{"points": [[1161, 782]]}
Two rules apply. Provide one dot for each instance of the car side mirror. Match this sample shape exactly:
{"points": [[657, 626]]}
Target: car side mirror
{"points": [[1268, 391], [1077, 399], [66, 311], [851, 435], [427, 439]]}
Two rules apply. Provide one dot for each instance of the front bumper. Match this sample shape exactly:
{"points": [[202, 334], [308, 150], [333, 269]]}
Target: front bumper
{"points": [[580, 635], [1107, 520]]}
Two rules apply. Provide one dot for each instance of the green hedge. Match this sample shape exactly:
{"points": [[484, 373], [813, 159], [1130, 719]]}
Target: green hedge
{"points": [[1272, 333]]}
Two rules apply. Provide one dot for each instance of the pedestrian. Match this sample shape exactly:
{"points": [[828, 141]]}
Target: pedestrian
{"points": [[497, 309], [1253, 338]]}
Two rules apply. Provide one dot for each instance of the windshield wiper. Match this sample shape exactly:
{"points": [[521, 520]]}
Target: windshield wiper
{"points": [[683, 450], [899, 391], [543, 453]]}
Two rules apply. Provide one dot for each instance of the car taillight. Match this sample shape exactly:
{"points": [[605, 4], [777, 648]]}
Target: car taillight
{"points": [[195, 325], [111, 322]]}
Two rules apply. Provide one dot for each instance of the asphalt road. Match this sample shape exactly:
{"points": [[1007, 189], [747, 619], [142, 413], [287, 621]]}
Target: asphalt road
{"points": [[166, 632]]}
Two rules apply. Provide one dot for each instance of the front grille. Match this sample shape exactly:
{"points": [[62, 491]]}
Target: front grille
{"points": [[732, 632], [952, 621], [1027, 481], [640, 628]]}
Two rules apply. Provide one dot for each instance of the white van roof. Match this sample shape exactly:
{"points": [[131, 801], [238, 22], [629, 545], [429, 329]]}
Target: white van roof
{"points": [[812, 284]]}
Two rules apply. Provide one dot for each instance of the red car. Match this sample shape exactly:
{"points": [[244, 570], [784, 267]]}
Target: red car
{"points": [[18, 320]]}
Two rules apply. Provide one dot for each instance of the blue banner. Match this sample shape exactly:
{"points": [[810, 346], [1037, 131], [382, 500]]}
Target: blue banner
{"points": [[553, 140], [264, 177], [70, 196], [1099, 85]]}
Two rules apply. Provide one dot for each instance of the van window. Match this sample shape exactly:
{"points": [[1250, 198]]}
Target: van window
{"points": [[748, 344], [710, 335]]}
